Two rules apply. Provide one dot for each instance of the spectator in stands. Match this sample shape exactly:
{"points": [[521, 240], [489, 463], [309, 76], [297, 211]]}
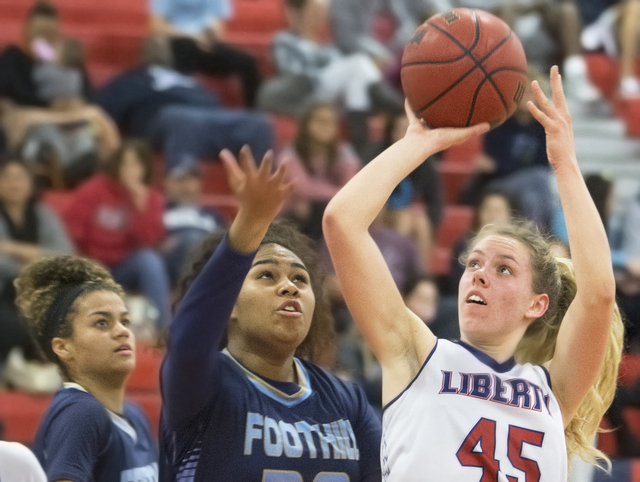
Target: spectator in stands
{"points": [[320, 164], [196, 30], [18, 63], [493, 207], [355, 78], [415, 207], [515, 161], [560, 19], [186, 221], [422, 296], [173, 112], [66, 141], [28, 231], [614, 26], [116, 218]]}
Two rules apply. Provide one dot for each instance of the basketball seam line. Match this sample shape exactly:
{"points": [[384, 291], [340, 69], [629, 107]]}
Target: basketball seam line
{"points": [[478, 63], [477, 66], [462, 77], [464, 52]]}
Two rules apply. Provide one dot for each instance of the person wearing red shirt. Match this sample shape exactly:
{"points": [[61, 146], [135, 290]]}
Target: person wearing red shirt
{"points": [[115, 217]]}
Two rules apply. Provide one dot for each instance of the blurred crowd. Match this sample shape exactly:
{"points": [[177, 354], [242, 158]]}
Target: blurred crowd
{"points": [[128, 155]]}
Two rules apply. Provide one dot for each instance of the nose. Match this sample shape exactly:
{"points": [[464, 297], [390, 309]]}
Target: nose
{"points": [[121, 331], [480, 277], [287, 288]]}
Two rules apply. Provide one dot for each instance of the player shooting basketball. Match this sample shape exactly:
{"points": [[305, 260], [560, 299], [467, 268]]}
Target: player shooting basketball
{"points": [[468, 410]]}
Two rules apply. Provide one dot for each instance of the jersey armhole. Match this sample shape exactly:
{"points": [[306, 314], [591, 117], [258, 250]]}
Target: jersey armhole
{"points": [[414, 378], [546, 374]]}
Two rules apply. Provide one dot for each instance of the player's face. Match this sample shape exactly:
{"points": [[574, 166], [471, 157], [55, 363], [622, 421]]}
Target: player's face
{"points": [[275, 305], [102, 345], [496, 300]]}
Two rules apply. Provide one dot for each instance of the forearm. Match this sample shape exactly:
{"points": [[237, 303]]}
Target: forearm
{"points": [[197, 331], [590, 250]]}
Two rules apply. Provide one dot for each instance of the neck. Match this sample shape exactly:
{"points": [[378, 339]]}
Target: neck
{"points": [[500, 350], [109, 394], [274, 367], [15, 211]]}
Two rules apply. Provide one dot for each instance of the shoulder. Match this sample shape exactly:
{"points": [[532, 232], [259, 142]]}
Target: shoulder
{"points": [[46, 214], [75, 408], [330, 385], [17, 462]]}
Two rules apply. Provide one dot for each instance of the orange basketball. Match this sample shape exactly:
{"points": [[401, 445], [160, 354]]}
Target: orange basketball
{"points": [[464, 67]]}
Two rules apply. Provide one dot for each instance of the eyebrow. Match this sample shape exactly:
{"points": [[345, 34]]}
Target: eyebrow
{"points": [[501, 256], [276, 262], [107, 313]]}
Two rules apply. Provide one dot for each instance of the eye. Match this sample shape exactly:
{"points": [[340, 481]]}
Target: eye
{"points": [[101, 323], [300, 278], [472, 263], [265, 275], [505, 270], [126, 322]]}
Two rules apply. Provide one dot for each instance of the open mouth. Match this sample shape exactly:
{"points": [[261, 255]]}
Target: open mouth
{"points": [[125, 348], [292, 307], [477, 300]]}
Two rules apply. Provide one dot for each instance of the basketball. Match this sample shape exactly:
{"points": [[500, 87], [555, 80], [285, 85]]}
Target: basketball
{"points": [[464, 67]]}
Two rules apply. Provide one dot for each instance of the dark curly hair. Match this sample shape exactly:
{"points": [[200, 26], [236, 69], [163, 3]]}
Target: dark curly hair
{"points": [[40, 284], [321, 333]]}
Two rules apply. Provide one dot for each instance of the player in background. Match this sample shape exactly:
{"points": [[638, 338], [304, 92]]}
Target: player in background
{"points": [[240, 400], [80, 322], [468, 411]]}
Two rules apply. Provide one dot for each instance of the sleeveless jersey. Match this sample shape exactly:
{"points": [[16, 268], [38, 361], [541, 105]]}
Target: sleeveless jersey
{"points": [[467, 418]]}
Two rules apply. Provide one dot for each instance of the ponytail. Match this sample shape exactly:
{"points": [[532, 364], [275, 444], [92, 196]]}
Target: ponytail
{"points": [[538, 346]]}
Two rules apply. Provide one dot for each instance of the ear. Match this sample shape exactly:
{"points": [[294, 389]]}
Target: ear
{"points": [[63, 348], [538, 307]]}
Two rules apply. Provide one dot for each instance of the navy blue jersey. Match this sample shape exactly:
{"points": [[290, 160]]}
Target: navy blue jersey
{"points": [[223, 422], [80, 440]]}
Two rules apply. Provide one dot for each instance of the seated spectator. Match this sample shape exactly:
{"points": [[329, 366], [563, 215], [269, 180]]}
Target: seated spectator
{"points": [[196, 30], [613, 26], [67, 141], [28, 231], [559, 22], [186, 222], [115, 218], [354, 79], [175, 114], [494, 207], [319, 164], [515, 161], [18, 62], [415, 207], [422, 296]]}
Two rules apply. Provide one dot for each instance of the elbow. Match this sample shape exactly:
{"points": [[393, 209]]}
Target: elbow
{"points": [[333, 222]]}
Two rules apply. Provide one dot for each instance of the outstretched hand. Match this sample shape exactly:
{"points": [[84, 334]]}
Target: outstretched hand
{"points": [[556, 120], [260, 191], [443, 137]]}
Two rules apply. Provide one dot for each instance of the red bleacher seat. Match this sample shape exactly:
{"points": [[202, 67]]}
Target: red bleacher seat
{"points": [[629, 369], [465, 152], [146, 375], [456, 221], [453, 176], [20, 414]]}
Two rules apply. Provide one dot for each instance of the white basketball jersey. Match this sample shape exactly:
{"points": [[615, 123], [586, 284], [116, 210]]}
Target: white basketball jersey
{"points": [[467, 418]]}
